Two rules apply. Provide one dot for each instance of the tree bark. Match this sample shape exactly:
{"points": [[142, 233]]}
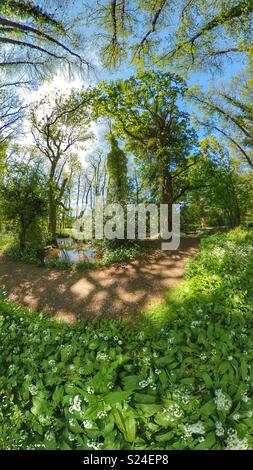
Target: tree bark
{"points": [[52, 215], [22, 235], [166, 194]]}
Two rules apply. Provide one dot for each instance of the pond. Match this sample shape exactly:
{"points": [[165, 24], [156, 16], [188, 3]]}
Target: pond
{"points": [[71, 251]]}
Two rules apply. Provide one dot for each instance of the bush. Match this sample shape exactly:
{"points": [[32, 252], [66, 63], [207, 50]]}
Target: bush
{"points": [[29, 255], [6, 239], [122, 254], [181, 378]]}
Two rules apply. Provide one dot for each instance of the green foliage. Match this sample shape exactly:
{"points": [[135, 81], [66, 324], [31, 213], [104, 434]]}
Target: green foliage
{"points": [[23, 198], [27, 10], [110, 256], [183, 382], [224, 196], [145, 112], [3, 151], [121, 254], [28, 255], [6, 239], [185, 35]]}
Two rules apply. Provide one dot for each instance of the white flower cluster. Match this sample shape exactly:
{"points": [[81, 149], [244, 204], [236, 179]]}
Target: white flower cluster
{"points": [[52, 364], [203, 356], [146, 360], [49, 436], [45, 420], [12, 368], [219, 252], [183, 396], [196, 428], [102, 357], [219, 429], [221, 401], [75, 404], [174, 411], [94, 445], [234, 443], [145, 383], [101, 335], [101, 414], [117, 340], [33, 389], [245, 398], [87, 423], [195, 323], [236, 417]]}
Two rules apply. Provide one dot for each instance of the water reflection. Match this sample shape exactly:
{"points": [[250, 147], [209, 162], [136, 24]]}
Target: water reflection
{"points": [[71, 251]]}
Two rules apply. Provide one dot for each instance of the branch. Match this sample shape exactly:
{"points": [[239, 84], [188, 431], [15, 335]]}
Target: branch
{"points": [[114, 21], [20, 62], [25, 28], [175, 175], [153, 23], [15, 83], [235, 12], [31, 10], [224, 113], [243, 106], [29, 45], [249, 160]]}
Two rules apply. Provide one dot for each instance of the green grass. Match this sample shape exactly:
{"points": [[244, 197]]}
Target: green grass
{"points": [[6, 239], [180, 378]]}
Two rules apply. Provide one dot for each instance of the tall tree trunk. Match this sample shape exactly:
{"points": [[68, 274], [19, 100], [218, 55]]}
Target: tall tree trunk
{"points": [[52, 215], [22, 235], [166, 195]]}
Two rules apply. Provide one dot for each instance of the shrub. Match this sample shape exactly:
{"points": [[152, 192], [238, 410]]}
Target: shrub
{"points": [[180, 378], [29, 255], [6, 239]]}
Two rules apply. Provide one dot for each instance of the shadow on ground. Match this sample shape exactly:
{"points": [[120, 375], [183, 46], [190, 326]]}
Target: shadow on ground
{"points": [[117, 290]]}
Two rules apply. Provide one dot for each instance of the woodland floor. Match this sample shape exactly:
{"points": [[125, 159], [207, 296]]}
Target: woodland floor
{"points": [[122, 289]]}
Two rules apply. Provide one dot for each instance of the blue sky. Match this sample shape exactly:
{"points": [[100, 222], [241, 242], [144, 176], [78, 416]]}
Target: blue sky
{"points": [[207, 79]]}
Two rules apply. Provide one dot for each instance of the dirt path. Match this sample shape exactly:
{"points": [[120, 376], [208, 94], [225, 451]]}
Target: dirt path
{"points": [[119, 289]]}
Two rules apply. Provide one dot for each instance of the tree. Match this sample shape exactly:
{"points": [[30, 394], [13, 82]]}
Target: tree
{"points": [[57, 129], [145, 112], [3, 151], [11, 113], [225, 195], [190, 29], [117, 173], [23, 198], [32, 37], [230, 113]]}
